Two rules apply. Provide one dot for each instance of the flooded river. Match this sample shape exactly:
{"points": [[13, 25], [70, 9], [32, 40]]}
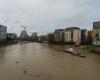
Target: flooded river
{"points": [[34, 61]]}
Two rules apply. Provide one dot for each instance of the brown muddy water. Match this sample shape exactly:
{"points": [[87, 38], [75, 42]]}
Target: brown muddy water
{"points": [[34, 61]]}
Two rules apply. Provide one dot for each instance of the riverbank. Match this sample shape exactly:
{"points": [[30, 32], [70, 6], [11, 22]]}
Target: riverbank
{"points": [[85, 48], [6, 43]]}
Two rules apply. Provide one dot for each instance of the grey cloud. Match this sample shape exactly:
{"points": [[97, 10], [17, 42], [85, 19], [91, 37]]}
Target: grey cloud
{"points": [[46, 15]]}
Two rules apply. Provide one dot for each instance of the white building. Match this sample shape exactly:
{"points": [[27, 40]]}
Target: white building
{"points": [[3, 32], [72, 34]]}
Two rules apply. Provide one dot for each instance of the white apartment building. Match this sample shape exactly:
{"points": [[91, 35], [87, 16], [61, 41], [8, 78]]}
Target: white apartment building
{"points": [[72, 34]]}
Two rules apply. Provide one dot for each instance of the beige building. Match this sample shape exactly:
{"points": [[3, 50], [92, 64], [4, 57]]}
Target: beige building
{"points": [[59, 35], [96, 37], [72, 34]]}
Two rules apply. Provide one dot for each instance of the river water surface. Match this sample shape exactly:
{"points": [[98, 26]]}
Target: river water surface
{"points": [[34, 61]]}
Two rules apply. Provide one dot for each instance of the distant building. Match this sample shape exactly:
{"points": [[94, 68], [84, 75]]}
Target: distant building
{"points": [[42, 38], [96, 31], [89, 41], [3, 31], [51, 38], [34, 36], [96, 25], [24, 36], [11, 36], [72, 35], [84, 36], [59, 35]]}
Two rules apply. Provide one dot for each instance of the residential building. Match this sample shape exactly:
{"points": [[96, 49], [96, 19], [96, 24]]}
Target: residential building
{"points": [[3, 31], [84, 36], [89, 41], [59, 36], [11, 36], [34, 36], [72, 35], [42, 38], [51, 38], [24, 36], [96, 33]]}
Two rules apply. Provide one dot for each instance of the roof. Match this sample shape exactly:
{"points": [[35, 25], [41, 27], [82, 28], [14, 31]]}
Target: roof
{"points": [[96, 24], [57, 30], [70, 28], [2, 25]]}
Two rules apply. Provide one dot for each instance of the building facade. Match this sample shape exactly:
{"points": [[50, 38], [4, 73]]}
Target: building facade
{"points": [[3, 32], [24, 36], [51, 38], [59, 36], [72, 35], [84, 36], [34, 36], [96, 33], [11, 36], [90, 41], [42, 38]]}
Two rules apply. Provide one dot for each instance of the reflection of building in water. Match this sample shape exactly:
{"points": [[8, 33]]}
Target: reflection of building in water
{"points": [[3, 31], [96, 33], [24, 35]]}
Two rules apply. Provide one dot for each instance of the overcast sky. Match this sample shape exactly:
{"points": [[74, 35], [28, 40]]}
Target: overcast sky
{"points": [[45, 16]]}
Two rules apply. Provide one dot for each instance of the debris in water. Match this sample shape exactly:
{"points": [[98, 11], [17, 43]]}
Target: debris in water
{"points": [[25, 71], [17, 62]]}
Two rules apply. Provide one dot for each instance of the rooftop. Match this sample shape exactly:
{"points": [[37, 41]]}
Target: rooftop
{"points": [[57, 30], [96, 24], [2, 25], [70, 28]]}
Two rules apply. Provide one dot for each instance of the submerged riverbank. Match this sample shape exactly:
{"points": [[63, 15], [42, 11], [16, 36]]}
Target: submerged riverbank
{"points": [[88, 48]]}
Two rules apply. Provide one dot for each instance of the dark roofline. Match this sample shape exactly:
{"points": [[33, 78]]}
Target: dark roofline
{"points": [[11, 33], [2, 25], [96, 24], [72, 28], [96, 21], [59, 30]]}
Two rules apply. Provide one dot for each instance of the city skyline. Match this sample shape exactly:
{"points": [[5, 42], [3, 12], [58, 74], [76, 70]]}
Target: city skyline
{"points": [[44, 16]]}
